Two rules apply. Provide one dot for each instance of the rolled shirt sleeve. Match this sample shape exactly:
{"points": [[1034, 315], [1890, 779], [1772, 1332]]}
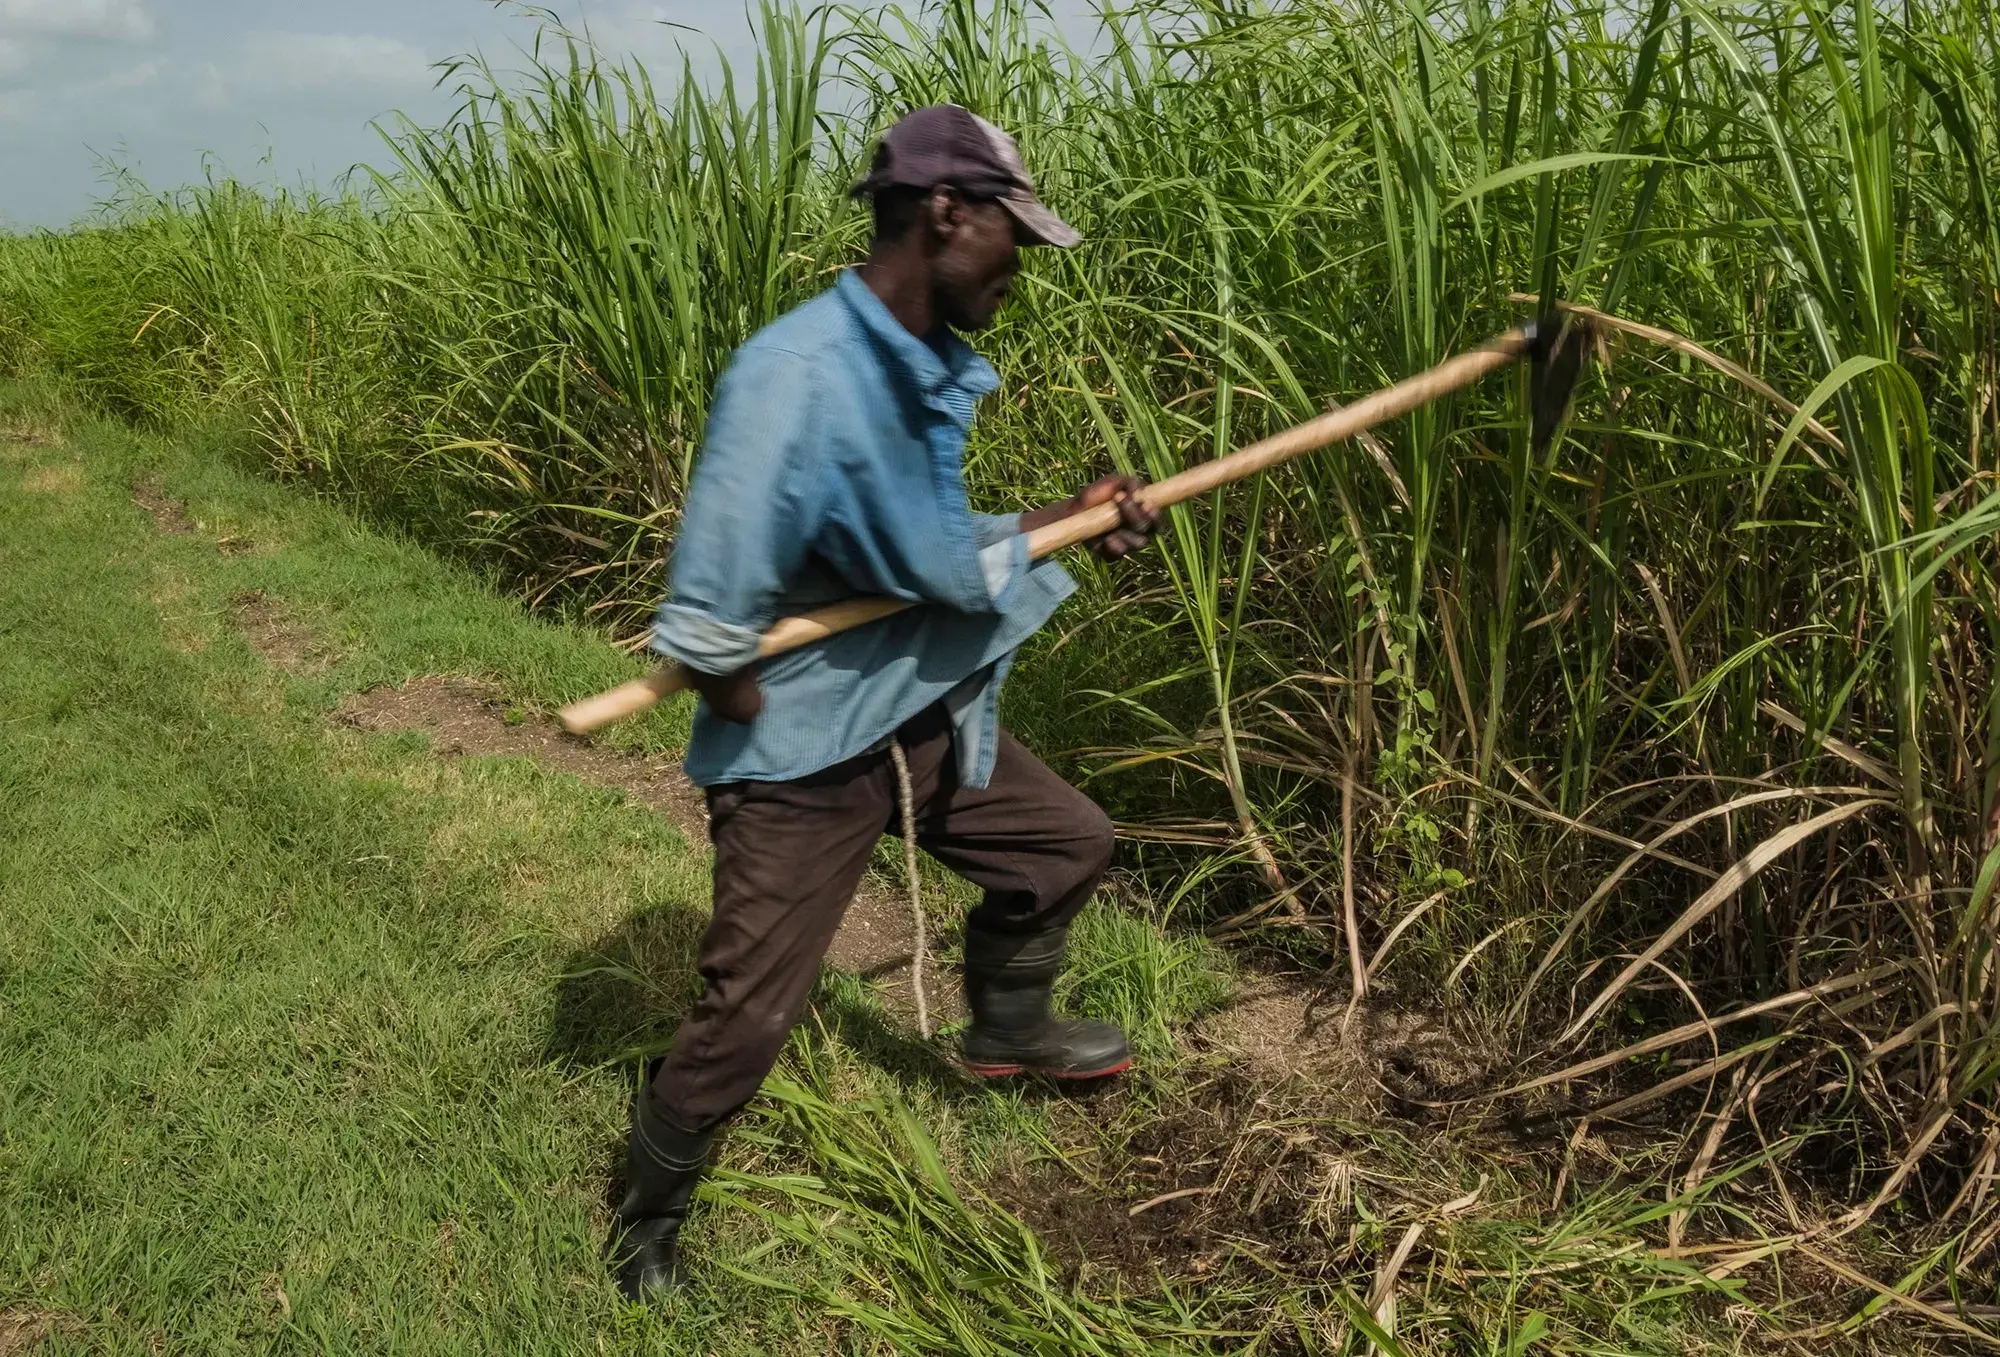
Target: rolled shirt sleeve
{"points": [[992, 529], [1003, 552], [748, 516]]}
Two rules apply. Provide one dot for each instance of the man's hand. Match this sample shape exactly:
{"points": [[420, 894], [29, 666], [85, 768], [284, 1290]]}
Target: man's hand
{"points": [[734, 697], [1137, 522]]}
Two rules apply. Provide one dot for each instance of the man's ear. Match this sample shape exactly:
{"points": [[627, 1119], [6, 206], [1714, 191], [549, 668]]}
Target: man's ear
{"points": [[944, 212]]}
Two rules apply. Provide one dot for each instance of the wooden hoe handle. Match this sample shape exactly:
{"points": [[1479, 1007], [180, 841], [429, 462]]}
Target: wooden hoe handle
{"points": [[1453, 374], [627, 699]]}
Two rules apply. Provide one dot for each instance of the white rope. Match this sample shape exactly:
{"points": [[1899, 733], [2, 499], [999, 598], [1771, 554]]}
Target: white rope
{"points": [[908, 799]]}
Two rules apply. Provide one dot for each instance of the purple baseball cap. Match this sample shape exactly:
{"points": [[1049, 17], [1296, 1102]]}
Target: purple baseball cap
{"points": [[946, 144]]}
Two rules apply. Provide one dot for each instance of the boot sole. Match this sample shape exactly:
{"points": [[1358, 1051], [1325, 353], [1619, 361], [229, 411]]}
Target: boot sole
{"points": [[1068, 1075]]}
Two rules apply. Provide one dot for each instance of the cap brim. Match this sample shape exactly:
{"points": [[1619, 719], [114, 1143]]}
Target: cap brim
{"points": [[1045, 226]]}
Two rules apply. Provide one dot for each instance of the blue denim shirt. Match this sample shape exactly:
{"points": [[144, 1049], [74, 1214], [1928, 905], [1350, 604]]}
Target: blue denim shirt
{"points": [[832, 466]]}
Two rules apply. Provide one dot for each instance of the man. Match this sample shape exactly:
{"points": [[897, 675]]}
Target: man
{"points": [[832, 467]]}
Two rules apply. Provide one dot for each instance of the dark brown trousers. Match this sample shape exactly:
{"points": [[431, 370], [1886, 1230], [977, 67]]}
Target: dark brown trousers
{"points": [[789, 855]]}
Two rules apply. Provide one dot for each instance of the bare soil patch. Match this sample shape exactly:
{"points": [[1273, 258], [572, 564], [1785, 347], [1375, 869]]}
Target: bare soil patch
{"points": [[466, 716], [1418, 1056], [878, 941], [1234, 1165], [1281, 1028], [169, 514], [277, 638], [22, 1331], [1262, 1158]]}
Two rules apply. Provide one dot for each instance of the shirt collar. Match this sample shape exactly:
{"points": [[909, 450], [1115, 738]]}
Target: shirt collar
{"points": [[954, 361]]}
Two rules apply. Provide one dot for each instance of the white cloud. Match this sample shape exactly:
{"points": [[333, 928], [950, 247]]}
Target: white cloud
{"points": [[24, 83], [121, 20], [172, 87], [304, 64], [128, 77], [334, 60]]}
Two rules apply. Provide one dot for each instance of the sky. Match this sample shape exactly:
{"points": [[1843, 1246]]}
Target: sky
{"points": [[277, 91]]}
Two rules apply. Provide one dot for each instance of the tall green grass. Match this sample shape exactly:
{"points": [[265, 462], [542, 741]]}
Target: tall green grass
{"points": [[1705, 690]]}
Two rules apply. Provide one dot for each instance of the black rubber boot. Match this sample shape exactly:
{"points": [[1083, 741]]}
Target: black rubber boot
{"points": [[1008, 983], [664, 1164]]}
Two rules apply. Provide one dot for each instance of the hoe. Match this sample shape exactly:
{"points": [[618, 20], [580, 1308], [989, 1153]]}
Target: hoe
{"points": [[1554, 346]]}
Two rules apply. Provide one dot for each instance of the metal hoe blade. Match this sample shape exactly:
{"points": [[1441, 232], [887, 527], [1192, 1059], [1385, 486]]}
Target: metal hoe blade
{"points": [[1557, 345]]}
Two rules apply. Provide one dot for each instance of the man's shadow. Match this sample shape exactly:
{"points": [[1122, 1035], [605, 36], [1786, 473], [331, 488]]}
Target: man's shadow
{"points": [[618, 1000]]}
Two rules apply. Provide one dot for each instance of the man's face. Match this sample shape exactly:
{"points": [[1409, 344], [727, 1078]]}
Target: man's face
{"points": [[979, 256]]}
